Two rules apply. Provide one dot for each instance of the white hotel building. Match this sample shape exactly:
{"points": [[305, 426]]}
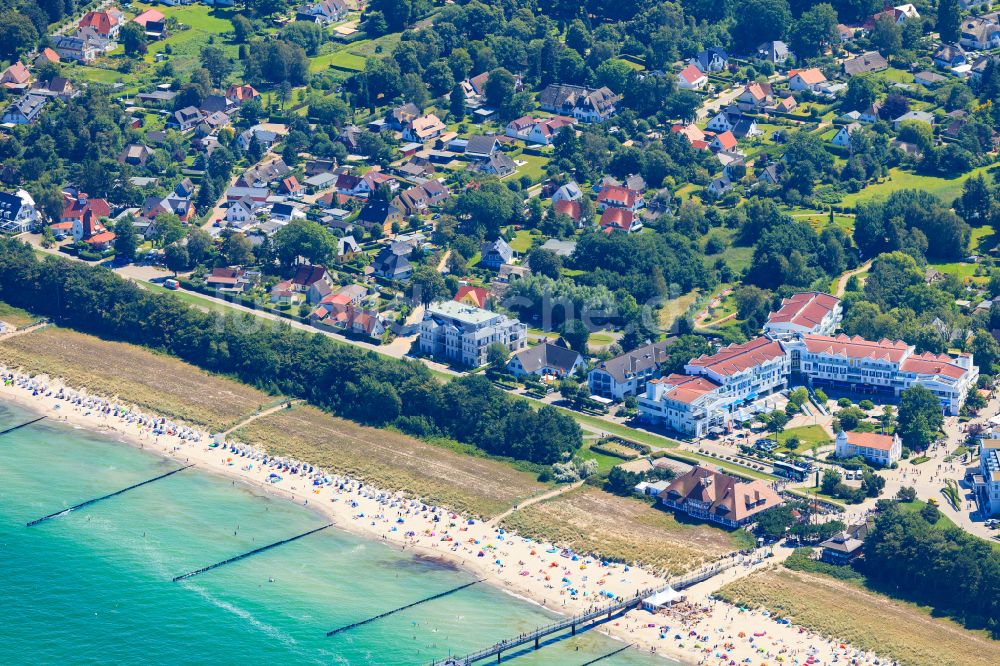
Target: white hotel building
{"points": [[987, 482], [462, 333], [718, 390]]}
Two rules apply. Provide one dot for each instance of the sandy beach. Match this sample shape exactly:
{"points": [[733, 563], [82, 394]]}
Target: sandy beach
{"points": [[700, 630]]}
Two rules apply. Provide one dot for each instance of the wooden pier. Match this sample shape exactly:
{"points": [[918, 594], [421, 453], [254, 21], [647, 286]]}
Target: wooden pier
{"points": [[580, 622]]}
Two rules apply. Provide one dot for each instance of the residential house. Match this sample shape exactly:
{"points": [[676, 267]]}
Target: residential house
{"points": [[17, 212], [950, 55], [264, 173], [617, 196], [546, 360], [712, 59], [217, 104], [323, 12], [628, 373], [918, 116], [808, 312], [153, 22], [135, 155], [286, 212], [755, 96], [691, 132], [16, 77], [572, 209], [242, 211], [691, 78], [106, 23], [843, 135], [347, 249], [776, 52], [498, 164], [380, 214], [711, 495], [769, 175], [726, 141], [74, 48], [474, 296], [46, 56], [520, 127], [58, 86], [232, 280], [806, 79], [239, 94], [185, 119], [25, 110], [583, 104], [929, 79], [568, 192], [337, 313], [418, 199], [424, 129], [401, 116], [494, 253], [882, 450], [870, 61], [291, 187], [979, 34], [265, 138], [621, 219], [724, 121], [719, 186], [462, 333], [481, 147]]}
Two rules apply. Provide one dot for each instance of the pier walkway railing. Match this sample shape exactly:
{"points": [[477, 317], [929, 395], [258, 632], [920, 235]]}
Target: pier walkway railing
{"points": [[583, 620]]}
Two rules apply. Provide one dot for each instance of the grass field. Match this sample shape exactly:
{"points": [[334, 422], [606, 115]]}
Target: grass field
{"points": [[521, 242], [807, 435], [205, 25], [869, 621], [338, 60], [153, 382], [592, 521], [392, 461], [534, 167], [965, 272], [16, 316], [188, 298], [947, 189]]}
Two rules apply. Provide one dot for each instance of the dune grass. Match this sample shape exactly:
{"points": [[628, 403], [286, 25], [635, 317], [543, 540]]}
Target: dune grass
{"points": [[393, 461], [153, 382], [589, 520], [16, 316], [867, 620]]}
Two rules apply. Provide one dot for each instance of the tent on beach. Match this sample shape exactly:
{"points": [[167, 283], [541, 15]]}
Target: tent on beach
{"points": [[660, 599]]}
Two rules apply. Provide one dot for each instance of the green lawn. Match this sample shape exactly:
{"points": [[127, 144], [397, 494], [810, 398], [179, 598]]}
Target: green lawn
{"points": [[94, 74], [533, 168], [206, 25], [807, 435], [521, 242], [603, 460], [188, 298], [338, 60], [966, 272], [982, 237], [944, 188]]}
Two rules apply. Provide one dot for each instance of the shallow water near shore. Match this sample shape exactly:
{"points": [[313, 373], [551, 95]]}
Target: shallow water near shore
{"points": [[94, 586]]}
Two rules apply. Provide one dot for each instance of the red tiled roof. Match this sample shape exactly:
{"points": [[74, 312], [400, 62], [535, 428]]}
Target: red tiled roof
{"points": [[153, 15], [856, 347], [734, 359], [727, 140], [103, 237], [726, 496], [870, 440], [619, 218], [932, 364], [478, 295], [571, 208], [618, 196], [74, 209], [101, 22], [810, 76], [687, 388], [691, 74], [806, 309]]}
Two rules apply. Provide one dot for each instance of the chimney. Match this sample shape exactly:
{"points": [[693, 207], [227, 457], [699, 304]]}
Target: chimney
{"points": [[88, 223], [81, 197]]}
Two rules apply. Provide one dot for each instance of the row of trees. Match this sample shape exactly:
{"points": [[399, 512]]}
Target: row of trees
{"points": [[343, 379]]}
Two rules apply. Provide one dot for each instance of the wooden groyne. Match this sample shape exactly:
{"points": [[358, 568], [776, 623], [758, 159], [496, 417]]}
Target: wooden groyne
{"points": [[255, 551], [104, 497], [23, 425], [453, 590]]}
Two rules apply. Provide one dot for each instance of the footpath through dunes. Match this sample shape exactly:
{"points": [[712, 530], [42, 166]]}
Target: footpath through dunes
{"points": [[589, 520], [156, 383], [864, 619], [463, 482]]}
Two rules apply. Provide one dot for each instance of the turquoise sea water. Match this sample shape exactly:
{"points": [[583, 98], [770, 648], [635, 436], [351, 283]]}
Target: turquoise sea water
{"points": [[94, 586]]}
